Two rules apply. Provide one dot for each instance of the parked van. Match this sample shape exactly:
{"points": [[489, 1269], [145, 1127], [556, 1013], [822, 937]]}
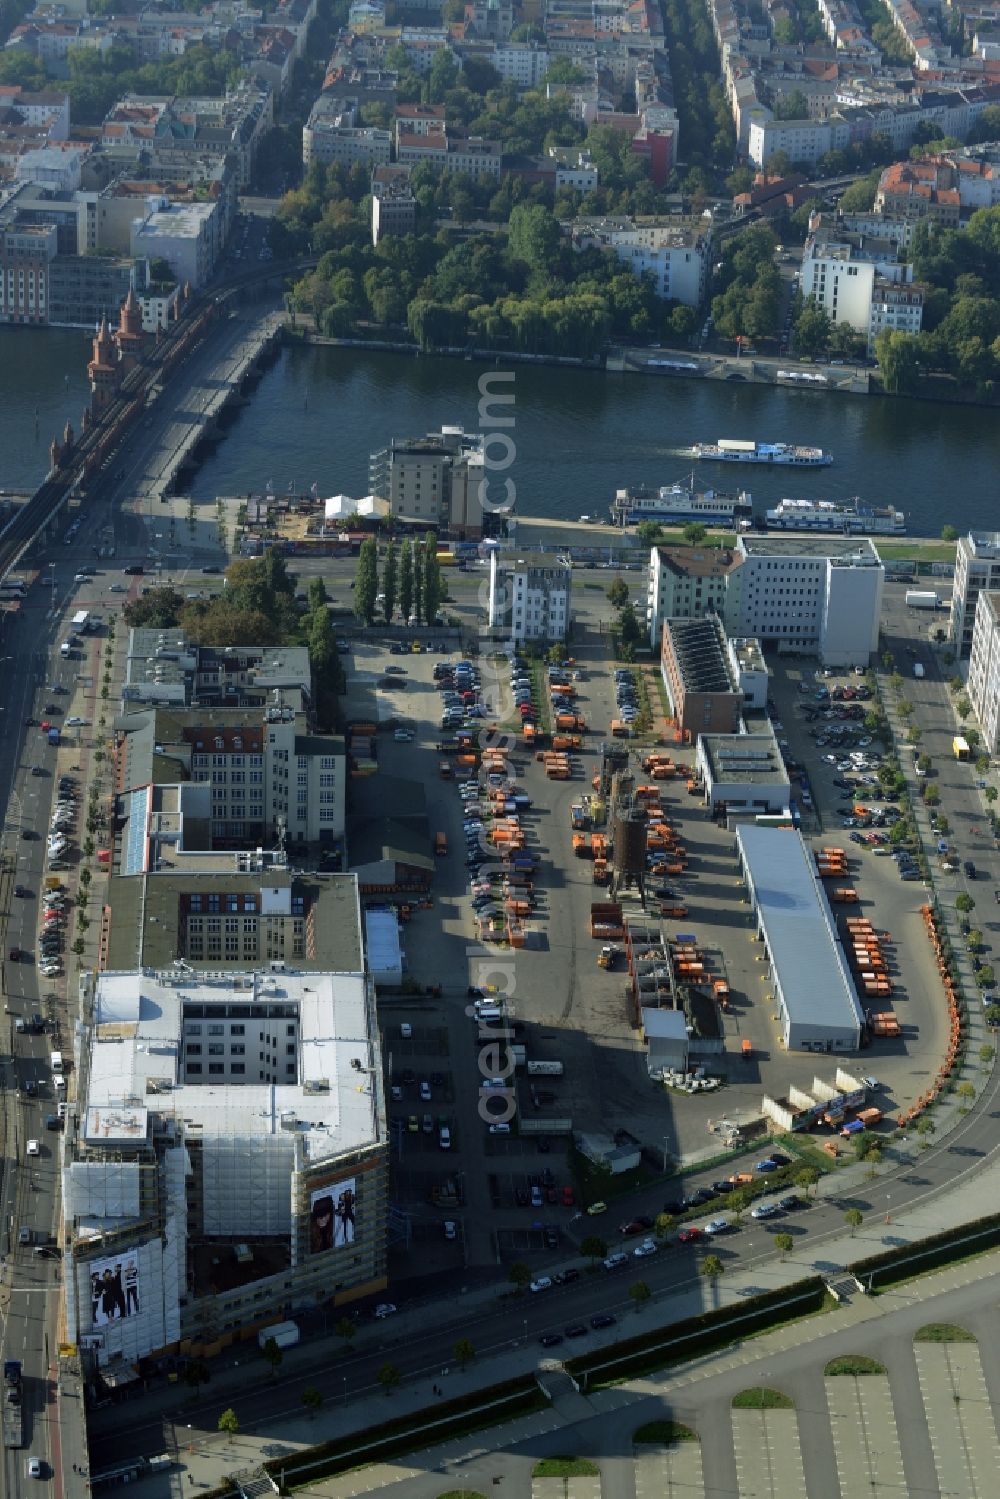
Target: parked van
{"points": [[56, 1062]]}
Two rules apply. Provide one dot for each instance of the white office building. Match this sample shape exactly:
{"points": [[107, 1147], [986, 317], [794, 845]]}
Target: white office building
{"points": [[977, 569], [224, 1158], [814, 595], [984, 669]]}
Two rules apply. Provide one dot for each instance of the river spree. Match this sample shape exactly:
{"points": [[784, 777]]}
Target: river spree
{"points": [[318, 413], [579, 435]]}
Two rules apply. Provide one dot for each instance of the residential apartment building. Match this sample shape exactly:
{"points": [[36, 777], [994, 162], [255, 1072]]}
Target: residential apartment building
{"points": [[269, 778], [332, 135], [394, 207], [686, 583], [941, 189], [984, 669], [697, 672], [469, 154], [815, 596], [529, 601], [862, 282], [677, 255], [977, 570], [434, 481]]}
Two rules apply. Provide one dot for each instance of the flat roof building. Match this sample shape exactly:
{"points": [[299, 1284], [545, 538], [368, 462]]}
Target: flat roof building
{"points": [[810, 595], [977, 568], [685, 583], [744, 773], [697, 673], [232, 915], [818, 1006], [224, 1159]]}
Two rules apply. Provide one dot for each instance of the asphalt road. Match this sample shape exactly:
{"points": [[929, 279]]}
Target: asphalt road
{"points": [[30, 665]]}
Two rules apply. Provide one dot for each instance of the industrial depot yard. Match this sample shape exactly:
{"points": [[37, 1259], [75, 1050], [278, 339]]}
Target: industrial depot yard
{"points": [[474, 1201]]}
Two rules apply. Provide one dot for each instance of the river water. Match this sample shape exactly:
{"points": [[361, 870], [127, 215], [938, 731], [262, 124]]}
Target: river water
{"points": [[579, 435]]}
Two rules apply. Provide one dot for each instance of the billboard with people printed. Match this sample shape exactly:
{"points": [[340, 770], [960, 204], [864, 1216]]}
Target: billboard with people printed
{"points": [[114, 1289], [331, 1216]]}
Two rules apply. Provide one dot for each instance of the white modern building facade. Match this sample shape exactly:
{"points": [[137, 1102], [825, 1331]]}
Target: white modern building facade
{"points": [[811, 595], [224, 1158], [977, 569], [984, 669]]}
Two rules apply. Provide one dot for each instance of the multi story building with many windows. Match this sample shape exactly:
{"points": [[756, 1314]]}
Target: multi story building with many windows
{"points": [[224, 1159], [529, 601], [267, 776], [810, 594], [984, 669], [977, 570]]}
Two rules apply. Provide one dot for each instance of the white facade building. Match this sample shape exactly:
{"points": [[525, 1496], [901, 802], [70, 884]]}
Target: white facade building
{"points": [[226, 1154], [977, 570], [529, 601], [188, 236], [984, 669], [815, 595], [677, 256], [862, 283]]}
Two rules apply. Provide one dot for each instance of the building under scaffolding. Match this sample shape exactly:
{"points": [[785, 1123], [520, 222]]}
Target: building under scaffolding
{"points": [[225, 1160]]}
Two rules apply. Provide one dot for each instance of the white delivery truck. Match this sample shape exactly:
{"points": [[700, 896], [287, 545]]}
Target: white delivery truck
{"points": [[285, 1334], [922, 598]]}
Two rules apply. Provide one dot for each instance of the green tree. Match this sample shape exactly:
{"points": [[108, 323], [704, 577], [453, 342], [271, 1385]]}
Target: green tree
{"points": [[992, 1013], [317, 596], [593, 1247], [783, 1243], [312, 1399], [694, 533], [964, 902], [712, 1267], [963, 708], [949, 533], [196, 1373], [985, 976], [807, 1178], [629, 627], [390, 581], [272, 1356], [649, 531], [618, 593], [229, 1422], [896, 354], [640, 1293], [990, 794], [854, 1219], [534, 236], [663, 1225], [519, 1275], [366, 581], [347, 1329], [463, 1352], [433, 586], [406, 581], [812, 330], [418, 580], [388, 1377]]}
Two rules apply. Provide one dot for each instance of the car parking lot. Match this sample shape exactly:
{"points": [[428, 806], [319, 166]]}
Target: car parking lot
{"points": [[563, 1007]]}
